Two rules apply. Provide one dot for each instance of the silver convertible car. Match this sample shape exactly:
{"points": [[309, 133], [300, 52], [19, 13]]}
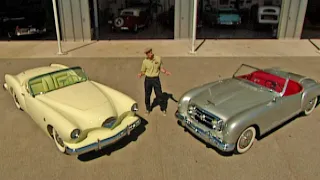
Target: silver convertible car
{"points": [[230, 113]]}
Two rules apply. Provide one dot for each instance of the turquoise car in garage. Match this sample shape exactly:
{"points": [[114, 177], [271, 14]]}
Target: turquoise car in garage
{"points": [[222, 16], [228, 16]]}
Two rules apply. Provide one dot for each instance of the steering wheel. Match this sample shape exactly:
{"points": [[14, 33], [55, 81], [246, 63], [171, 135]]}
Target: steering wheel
{"points": [[71, 79], [271, 84]]}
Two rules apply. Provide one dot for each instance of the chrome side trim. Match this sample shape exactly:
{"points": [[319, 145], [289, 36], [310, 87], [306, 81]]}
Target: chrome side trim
{"points": [[104, 142], [204, 135]]}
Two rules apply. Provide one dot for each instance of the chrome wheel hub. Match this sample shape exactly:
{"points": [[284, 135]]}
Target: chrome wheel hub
{"points": [[310, 105], [245, 139]]}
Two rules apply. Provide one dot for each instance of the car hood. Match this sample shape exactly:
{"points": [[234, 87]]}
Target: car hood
{"points": [[83, 104], [230, 97]]}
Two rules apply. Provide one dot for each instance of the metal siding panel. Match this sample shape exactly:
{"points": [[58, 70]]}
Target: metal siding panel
{"points": [[185, 19], [68, 21], [86, 21], [177, 16], [283, 19], [300, 18], [77, 23]]}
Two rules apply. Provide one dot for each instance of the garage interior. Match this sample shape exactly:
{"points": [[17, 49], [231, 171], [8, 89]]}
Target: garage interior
{"points": [[239, 19], [311, 26], [156, 20], [23, 14]]}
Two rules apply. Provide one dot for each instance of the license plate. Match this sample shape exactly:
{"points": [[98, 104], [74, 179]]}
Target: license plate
{"points": [[226, 23]]}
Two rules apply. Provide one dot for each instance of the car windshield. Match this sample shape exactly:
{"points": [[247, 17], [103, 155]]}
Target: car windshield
{"points": [[56, 80], [127, 13], [261, 78]]}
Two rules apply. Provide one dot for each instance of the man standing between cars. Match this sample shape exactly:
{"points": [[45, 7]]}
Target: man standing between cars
{"points": [[151, 67]]}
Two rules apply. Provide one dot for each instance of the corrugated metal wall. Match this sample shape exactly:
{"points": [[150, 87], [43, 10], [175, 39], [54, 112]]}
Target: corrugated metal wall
{"points": [[74, 19], [292, 19], [183, 19]]}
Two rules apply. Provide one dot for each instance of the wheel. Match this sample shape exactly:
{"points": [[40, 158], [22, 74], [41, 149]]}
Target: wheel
{"points": [[16, 100], [245, 140], [58, 141], [310, 106], [118, 22]]}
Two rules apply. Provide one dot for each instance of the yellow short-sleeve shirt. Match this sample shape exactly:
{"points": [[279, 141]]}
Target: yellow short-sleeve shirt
{"points": [[151, 68]]}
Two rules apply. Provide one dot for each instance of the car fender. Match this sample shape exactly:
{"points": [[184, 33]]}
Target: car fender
{"points": [[14, 85], [121, 102], [238, 123], [63, 126], [309, 94]]}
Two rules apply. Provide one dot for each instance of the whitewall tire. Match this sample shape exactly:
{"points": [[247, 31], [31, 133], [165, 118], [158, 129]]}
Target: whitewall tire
{"points": [[58, 141], [310, 106], [245, 140]]}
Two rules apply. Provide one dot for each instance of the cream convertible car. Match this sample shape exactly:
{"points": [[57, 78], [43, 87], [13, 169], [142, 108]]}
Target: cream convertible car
{"points": [[79, 114]]}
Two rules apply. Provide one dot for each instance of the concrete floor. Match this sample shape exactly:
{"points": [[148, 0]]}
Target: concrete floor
{"points": [[159, 149]]}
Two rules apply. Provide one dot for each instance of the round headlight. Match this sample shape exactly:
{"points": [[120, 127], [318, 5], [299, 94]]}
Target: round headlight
{"points": [[134, 107], [75, 134]]}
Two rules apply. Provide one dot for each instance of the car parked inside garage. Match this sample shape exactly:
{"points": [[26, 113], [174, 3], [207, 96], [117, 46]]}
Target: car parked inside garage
{"points": [[131, 19]]}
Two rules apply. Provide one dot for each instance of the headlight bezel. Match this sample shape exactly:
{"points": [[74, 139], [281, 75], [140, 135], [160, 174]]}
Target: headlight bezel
{"points": [[135, 107], [111, 121], [75, 134]]}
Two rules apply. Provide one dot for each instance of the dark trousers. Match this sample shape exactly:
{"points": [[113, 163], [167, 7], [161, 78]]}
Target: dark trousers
{"points": [[149, 83]]}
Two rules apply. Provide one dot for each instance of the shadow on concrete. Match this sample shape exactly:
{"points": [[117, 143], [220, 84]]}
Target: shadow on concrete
{"points": [[197, 48], [117, 146], [162, 100], [85, 45]]}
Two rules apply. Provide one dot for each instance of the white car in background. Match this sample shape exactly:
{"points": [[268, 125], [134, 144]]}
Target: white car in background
{"points": [[268, 15]]}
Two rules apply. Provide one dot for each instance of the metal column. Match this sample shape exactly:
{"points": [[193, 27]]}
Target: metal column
{"points": [[292, 19]]}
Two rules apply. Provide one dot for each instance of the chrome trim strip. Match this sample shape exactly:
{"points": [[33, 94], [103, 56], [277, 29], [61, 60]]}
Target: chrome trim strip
{"points": [[204, 135], [104, 142]]}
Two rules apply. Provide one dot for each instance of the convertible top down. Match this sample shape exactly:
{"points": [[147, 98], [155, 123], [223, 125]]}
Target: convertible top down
{"points": [[81, 115], [230, 113]]}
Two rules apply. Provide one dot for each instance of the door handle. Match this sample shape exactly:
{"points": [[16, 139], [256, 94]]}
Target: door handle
{"points": [[22, 94]]}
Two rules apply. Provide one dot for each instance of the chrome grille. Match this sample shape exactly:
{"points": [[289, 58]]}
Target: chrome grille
{"points": [[204, 117]]}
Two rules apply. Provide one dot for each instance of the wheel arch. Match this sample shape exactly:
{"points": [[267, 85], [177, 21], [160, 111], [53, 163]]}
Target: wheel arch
{"points": [[14, 86], [50, 130]]}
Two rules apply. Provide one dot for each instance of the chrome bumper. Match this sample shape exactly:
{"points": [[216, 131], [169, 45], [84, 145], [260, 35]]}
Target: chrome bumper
{"points": [[204, 135], [104, 142]]}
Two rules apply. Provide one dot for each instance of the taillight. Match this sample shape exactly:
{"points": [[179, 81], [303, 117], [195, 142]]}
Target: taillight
{"points": [[17, 28]]}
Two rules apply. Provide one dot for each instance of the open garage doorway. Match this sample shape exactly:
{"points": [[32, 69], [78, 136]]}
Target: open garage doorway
{"points": [[311, 26], [27, 20], [239, 19], [135, 19]]}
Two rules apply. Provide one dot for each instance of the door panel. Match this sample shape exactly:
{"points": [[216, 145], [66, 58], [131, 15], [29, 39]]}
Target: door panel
{"points": [[35, 110]]}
